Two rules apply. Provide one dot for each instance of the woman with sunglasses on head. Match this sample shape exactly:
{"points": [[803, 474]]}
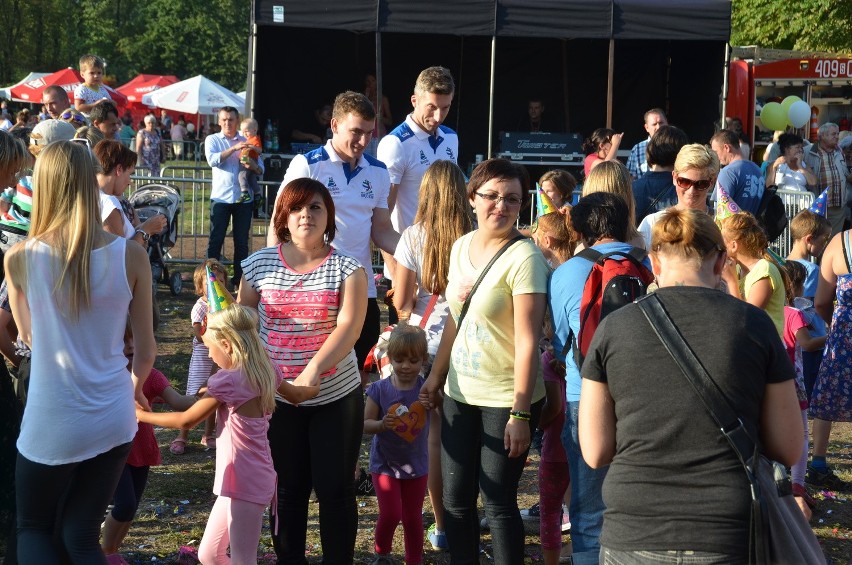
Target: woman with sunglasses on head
{"points": [[18, 199], [488, 366], [695, 170], [67, 282]]}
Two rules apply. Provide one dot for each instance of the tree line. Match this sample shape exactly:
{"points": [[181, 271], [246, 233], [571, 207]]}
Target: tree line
{"points": [[176, 37]]}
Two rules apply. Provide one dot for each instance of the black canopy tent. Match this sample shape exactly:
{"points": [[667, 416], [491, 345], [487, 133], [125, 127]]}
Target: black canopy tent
{"points": [[594, 62]]}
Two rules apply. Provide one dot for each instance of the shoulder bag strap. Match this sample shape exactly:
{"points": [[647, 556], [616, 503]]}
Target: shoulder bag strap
{"points": [[719, 409], [475, 286], [653, 203], [707, 390], [429, 308]]}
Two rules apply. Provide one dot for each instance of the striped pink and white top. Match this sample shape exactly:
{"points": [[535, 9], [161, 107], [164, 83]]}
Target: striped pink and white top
{"points": [[298, 311]]}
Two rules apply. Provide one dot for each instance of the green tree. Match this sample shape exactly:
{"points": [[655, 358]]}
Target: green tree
{"points": [[805, 25], [183, 38]]}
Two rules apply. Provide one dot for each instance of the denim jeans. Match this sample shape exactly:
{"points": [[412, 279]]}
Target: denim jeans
{"points": [[220, 215], [615, 557], [587, 505], [317, 447], [474, 460], [61, 507]]}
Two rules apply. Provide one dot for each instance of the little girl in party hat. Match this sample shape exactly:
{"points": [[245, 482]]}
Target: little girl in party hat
{"points": [[242, 393], [200, 364]]}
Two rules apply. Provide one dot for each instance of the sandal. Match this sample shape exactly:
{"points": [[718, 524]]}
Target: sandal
{"points": [[178, 446], [208, 441]]}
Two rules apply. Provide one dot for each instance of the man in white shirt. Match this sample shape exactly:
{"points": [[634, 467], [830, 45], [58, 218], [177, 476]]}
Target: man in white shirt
{"points": [[359, 185], [415, 144]]}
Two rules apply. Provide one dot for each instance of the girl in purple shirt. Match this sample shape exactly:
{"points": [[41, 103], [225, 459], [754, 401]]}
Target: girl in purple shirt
{"points": [[398, 456]]}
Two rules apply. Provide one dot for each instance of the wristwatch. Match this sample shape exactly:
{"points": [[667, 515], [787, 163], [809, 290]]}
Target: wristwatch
{"points": [[145, 236]]}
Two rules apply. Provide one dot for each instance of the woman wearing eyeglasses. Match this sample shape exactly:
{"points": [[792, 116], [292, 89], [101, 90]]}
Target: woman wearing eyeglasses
{"points": [[488, 367], [695, 170]]}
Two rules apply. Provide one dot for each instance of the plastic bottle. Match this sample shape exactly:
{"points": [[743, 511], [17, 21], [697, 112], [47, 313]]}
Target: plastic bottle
{"points": [[267, 136], [275, 146]]}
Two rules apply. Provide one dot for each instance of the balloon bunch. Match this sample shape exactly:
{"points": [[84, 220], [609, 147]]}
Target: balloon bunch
{"points": [[791, 111]]}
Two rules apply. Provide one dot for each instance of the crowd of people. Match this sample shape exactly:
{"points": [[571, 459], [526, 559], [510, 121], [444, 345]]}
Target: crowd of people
{"points": [[494, 339]]}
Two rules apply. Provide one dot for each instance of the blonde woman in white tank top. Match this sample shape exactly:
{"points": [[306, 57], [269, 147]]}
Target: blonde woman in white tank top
{"points": [[69, 286]]}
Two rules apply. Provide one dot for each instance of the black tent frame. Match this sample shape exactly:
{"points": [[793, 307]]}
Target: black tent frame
{"points": [[612, 20]]}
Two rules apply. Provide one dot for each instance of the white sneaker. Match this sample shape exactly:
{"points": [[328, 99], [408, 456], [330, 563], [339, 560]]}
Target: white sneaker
{"points": [[566, 520]]}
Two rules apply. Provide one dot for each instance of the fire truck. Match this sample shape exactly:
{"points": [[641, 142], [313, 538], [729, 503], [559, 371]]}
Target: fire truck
{"points": [[758, 76]]}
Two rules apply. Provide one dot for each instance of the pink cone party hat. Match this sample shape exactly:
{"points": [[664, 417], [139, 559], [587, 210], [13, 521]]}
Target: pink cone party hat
{"points": [[725, 205], [218, 298], [820, 205], [544, 205]]}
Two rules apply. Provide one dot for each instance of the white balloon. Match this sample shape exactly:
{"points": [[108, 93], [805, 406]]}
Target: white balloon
{"points": [[799, 114]]}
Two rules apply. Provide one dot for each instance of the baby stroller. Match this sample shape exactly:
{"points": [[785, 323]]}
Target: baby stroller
{"points": [[149, 200]]}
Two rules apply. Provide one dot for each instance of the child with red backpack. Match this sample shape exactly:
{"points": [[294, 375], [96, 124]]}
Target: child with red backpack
{"points": [[587, 287]]}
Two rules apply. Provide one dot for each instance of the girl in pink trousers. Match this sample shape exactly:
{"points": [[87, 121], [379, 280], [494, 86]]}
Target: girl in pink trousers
{"points": [[243, 395]]}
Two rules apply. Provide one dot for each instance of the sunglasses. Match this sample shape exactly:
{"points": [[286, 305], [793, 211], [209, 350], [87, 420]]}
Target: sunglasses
{"points": [[73, 116], [700, 185]]}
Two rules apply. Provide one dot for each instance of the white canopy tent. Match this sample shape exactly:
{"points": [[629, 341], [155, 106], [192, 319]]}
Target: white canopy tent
{"points": [[7, 91], [196, 95]]}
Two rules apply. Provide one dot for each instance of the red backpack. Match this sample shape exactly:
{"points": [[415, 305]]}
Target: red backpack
{"points": [[617, 278]]}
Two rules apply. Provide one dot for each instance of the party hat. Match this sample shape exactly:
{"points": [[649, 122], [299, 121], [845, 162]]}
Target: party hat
{"points": [[218, 298], [778, 259], [725, 205], [820, 204], [543, 201]]}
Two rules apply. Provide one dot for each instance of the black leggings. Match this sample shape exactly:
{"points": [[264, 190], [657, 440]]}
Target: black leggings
{"points": [[61, 507], [317, 447], [128, 493]]}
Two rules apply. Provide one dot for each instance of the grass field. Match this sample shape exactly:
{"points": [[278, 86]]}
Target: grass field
{"points": [[175, 508]]}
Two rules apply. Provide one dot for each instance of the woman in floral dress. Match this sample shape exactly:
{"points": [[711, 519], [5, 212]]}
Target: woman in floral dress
{"points": [[149, 146], [831, 400]]}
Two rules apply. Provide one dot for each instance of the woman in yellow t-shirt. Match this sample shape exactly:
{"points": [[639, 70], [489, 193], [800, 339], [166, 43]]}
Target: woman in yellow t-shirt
{"points": [[760, 282], [488, 367]]}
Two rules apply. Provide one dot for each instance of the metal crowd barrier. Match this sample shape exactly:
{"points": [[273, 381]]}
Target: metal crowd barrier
{"points": [[794, 202], [193, 229]]}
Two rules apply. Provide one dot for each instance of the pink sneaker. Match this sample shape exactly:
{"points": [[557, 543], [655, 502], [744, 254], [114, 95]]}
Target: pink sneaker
{"points": [[208, 441]]}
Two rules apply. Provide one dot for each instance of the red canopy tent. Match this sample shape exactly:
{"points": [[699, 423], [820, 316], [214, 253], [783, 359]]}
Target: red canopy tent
{"points": [[68, 79], [141, 85]]}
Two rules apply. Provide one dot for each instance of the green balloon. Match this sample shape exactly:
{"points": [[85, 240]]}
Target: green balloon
{"points": [[773, 116], [787, 102]]}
